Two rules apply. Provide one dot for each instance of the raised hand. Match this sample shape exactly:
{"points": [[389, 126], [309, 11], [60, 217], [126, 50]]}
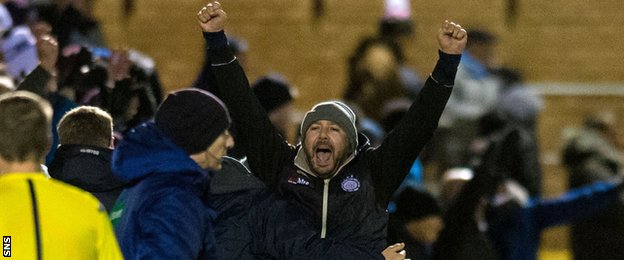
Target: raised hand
{"points": [[47, 48], [120, 65], [452, 38], [211, 17]]}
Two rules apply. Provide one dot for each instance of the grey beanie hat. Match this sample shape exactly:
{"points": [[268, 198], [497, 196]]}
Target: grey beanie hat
{"points": [[336, 112]]}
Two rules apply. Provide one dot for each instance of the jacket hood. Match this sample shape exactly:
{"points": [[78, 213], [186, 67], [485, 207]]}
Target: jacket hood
{"points": [[146, 150], [87, 167], [234, 176]]}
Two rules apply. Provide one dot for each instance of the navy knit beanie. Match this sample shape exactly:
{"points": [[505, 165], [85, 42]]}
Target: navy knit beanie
{"points": [[192, 119], [272, 92], [336, 112]]}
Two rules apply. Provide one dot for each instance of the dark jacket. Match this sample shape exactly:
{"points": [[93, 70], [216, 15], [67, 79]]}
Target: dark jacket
{"points": [[254, 222], [233, 193], [461, 237], [162, 214], [590, 157], [356, 197], [516, 155], [515, 229], [88, 168], [414, 249]]}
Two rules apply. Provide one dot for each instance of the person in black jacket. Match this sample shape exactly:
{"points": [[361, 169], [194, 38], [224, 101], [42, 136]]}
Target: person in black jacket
{"points": [[338, 178], [84, 157], [518, 157], [255, 222]]}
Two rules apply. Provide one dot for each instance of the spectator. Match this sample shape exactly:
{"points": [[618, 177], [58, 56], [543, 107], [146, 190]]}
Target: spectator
{"points": [[254, 222], [373, 76], [42, 81], [463, 235], [517, 158], [163, 214], [592, 153], [416, 222], [520, 104], [516, 221], [45, 218], [276, 97], [397, 26], [84, 156], [508, 221], [333, 163], [73, 22], [475, 93]]}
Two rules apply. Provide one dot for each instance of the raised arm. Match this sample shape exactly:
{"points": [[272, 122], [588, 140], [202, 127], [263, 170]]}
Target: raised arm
{"points": [[576, 204], [37, 80], [265, 148], [391, 162]]}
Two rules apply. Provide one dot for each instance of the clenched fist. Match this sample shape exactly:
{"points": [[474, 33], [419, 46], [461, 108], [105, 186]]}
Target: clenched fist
{"points": [[452, 38], [211, 17]]}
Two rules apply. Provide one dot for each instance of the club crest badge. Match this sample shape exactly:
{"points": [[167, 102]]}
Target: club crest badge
{"points": [[350, 184]]}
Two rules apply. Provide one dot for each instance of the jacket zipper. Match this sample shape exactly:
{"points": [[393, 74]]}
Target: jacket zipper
{"points": [[325, 202]]}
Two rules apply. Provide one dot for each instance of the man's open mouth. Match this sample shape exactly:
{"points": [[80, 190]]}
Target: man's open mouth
{"points": [[323, 155]]}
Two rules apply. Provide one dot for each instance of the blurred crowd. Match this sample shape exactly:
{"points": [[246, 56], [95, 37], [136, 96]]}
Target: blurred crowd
{"points": [[207, 172]]}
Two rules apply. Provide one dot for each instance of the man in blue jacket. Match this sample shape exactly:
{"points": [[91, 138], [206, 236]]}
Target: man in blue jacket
{"points": [[342, 182], [163, 213]]}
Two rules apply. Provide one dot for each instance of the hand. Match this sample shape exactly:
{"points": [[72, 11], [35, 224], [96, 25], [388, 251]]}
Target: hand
{"points": [[452, 38], [119, 66], [41, 28], [394, 252], [47, 48], [212, 18]]}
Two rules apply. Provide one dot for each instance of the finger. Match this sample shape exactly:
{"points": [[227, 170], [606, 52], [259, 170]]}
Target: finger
{"points": [[220, 13], [403, 253], [209, 7], [445, 26], [394, 245], [462, 34], [216, 4], [204, 17], [450, 28]]}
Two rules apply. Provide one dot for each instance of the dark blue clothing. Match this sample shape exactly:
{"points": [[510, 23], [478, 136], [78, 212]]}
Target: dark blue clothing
{"points": [[515, 231], [256, 222], [88, 168], [162, 214], [233, 194]]}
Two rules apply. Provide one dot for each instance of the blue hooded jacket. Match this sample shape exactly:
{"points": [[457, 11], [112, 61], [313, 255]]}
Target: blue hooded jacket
{"points": [[161, 215]]}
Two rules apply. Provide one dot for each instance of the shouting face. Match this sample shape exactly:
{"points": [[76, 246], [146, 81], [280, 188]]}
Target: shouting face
{"points": [[325, 146]]}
